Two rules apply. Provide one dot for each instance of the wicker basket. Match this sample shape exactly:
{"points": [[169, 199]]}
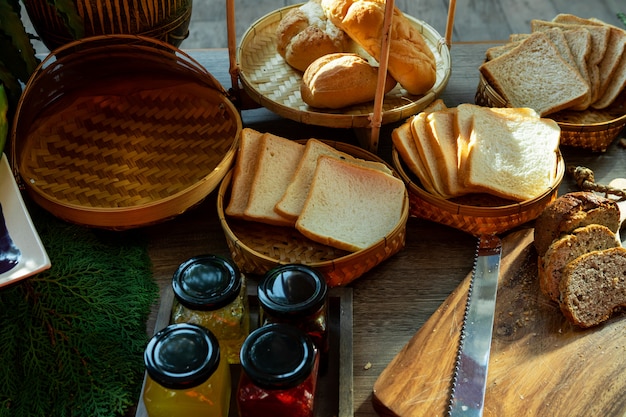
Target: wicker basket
{"points": [[590, 129], [272, 83], [257, 247], [122, 131], [475, 219]]}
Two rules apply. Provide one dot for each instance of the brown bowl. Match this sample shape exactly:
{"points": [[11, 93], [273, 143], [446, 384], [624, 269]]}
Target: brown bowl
{"points": [[475, 214]]}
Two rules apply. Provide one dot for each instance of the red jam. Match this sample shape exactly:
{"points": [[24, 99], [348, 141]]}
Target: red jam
{"points": [[297, 295], [279, 373]]}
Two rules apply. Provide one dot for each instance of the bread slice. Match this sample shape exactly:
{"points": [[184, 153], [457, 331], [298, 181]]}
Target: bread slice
{"points": [[593, 287], [579, 42], [494, 162], [292, 201], [277, 161], [349, 206], [442, 126], [402, 138], [569, 247], [612, 56], [243, 172], [599, 44], [534, 75], [429, 151]]}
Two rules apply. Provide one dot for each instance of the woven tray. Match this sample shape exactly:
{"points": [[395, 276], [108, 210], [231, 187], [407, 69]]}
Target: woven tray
{"points": [[481, 216], [122, 131], [273, 84], [589, 129], [256, 247]]}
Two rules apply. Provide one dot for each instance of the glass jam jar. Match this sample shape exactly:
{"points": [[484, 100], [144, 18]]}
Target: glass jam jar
{"points": [[186, 376], [280, 365], [296, 294], [210, 291]]}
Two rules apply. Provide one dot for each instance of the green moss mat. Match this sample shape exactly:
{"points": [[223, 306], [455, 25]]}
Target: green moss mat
{"points": [[72, 337]]}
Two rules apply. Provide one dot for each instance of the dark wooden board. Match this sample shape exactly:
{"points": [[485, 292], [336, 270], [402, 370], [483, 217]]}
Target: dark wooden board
{"points": [[540, 364]]}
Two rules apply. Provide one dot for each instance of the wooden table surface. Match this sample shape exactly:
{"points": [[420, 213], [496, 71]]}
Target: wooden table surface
{"points": [[392, 301]]}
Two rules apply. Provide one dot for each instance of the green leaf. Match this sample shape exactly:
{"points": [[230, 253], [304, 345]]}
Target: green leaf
{"points": [[12, 27], [66, 9], [622, 17]]}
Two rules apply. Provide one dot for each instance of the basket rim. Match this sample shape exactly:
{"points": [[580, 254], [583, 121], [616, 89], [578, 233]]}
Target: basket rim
{"points": [[477, 211], [155, 210], [333, 118], [592, 127], [342, 146]]}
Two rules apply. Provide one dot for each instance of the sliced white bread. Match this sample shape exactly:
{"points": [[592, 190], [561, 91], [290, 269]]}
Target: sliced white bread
{"points": [[430, 153], [277, 161], [534, 75], [243, 172], [402, 138], [349, 206], [442, 125], [593, 287], [567, 248], [292, 201], [494, 163]]}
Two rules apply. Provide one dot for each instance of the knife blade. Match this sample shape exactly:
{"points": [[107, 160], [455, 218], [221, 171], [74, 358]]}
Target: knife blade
{"points": [[470, 375]]}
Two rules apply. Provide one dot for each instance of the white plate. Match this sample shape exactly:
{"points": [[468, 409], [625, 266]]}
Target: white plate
{"points": [[34, 257]]}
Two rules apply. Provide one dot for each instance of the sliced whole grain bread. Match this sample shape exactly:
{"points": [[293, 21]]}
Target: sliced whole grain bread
{"points": [[593, 287], [569, 247], [535, 75]]}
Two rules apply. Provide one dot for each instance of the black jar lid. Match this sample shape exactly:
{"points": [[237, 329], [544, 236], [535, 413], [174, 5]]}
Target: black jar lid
{"points": [[277, 356], [182, 356], [206, 282], [292, 290]]}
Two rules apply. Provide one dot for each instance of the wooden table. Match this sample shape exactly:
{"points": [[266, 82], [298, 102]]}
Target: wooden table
{"points": [[391, 302]]}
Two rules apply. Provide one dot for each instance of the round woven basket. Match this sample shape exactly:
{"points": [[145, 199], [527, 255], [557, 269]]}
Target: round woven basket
{"points": [[256, 247], [589, 129], [481, 218], [273, 84], [122, 131]]}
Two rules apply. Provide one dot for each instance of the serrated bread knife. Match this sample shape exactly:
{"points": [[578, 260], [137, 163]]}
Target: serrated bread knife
{"points": [[470, 374]]}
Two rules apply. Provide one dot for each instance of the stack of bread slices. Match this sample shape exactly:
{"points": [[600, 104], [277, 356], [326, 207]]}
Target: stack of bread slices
{"points": [[582, 265], [568, 63], [510, 153], [329, 196]]}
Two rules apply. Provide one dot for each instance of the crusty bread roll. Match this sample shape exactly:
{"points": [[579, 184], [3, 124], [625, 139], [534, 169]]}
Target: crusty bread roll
{"points": [[340, 80], [305, 34], [411, 62]]}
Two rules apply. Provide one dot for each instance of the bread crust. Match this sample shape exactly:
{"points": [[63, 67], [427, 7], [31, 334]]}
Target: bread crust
{"points": [[340, 80], [304, 34], [570, 211], [411, 62]]}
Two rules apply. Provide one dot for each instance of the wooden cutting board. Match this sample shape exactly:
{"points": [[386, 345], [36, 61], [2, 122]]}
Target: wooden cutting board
{"points": [[540, 365]]}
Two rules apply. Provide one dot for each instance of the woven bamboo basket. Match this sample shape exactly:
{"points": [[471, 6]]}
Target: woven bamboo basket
{"points": [[590, 129], [258, 70], [121, 131], [477, 216], [256, 247]]}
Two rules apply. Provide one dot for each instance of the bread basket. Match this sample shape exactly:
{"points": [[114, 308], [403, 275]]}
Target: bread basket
{"points": [[257, 248], [121, 131], [590, 129], [476, 218]]}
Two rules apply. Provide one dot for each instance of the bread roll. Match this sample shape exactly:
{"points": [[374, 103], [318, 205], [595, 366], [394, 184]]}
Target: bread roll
{"points": [[305, 34], [340, 80], [411, 62]]}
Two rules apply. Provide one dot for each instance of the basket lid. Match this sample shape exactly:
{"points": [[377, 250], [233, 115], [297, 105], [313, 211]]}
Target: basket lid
{"points": [[122, 131]]}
